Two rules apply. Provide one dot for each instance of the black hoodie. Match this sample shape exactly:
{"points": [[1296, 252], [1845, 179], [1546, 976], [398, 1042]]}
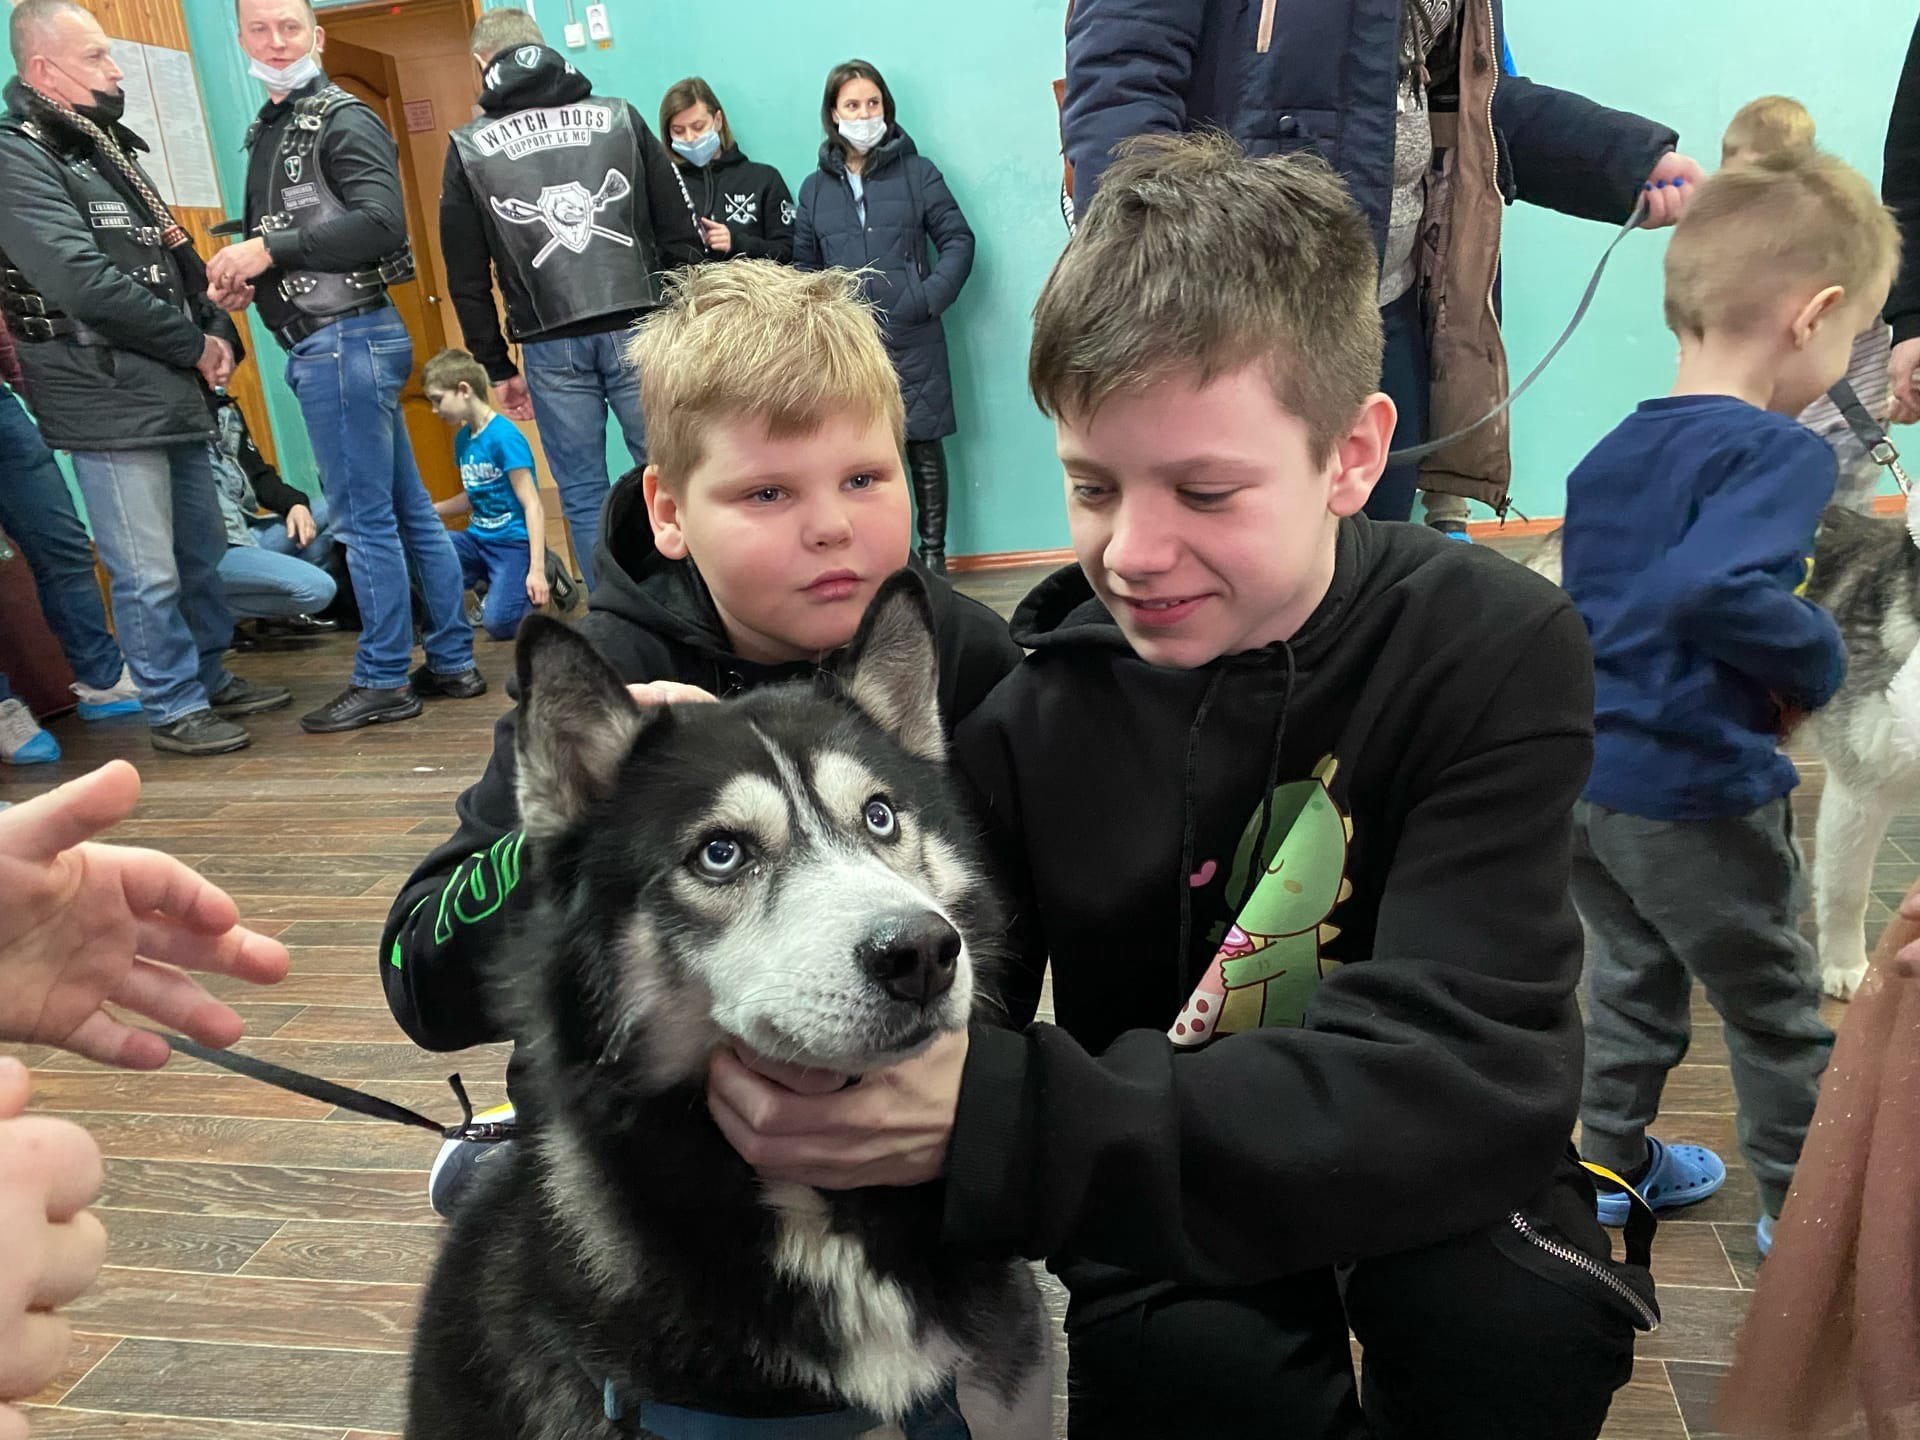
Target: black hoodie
{"points": [[659, 209], [1424, 1088], [653, 619], [749, 198]]}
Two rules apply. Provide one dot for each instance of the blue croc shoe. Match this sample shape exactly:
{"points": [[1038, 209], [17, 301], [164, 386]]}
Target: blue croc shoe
{"points": [[1763, 1235], [1678, 1175]]}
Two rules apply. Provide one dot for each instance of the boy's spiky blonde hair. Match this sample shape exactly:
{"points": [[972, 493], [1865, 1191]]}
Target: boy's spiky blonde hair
{"points": [[753, 339], [1755, 232], [452, 367], [1773, 125]]}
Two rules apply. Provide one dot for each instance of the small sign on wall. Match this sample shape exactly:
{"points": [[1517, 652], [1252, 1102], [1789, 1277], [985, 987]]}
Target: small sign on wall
{"points": [[419, 115]]}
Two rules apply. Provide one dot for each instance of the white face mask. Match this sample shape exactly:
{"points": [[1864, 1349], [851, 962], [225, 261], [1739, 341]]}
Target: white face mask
{"points": [[288, 78], [863, 135]]}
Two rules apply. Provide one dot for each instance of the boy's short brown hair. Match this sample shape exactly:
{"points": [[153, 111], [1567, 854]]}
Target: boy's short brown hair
{"points": [[1194, 260], [1756, 231], [754, 339], [1773, 125], [449, 369]]}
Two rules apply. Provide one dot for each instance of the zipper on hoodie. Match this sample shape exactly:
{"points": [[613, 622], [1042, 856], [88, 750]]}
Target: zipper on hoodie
{"points": [[1586, 1265]]}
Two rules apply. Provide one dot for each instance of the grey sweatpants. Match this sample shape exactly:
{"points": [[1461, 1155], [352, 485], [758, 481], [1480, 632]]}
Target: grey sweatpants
{"points": [[1667, 903]]}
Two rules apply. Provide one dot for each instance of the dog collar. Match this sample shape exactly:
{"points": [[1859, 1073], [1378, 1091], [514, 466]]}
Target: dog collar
{"points": [[938, 1418]]}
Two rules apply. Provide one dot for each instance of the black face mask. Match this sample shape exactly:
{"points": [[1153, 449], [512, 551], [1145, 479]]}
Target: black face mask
{"points": [[107, 107]]}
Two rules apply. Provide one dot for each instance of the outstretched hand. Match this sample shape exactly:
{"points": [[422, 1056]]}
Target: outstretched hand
{"points": [[85, 924]]}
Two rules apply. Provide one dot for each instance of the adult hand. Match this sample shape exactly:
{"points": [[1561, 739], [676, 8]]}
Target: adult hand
{"points": [[300, 527], [1900, 375], [716, 237], [537, 586], [890, 1129], [511, 399], [49, 1172], [237, 264], [231, 298], [669, 692], [85, 924], [1668, 189], [216, 362]]}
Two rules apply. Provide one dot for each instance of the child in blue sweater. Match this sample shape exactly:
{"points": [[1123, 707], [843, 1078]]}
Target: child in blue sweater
{"points": [[1689, 534]]}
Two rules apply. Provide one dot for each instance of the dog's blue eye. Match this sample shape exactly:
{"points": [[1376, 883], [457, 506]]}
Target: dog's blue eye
{"points": [[880, 819], [720, 856]]}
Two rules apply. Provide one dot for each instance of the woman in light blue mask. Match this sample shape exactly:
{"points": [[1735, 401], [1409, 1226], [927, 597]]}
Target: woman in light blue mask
{"points": [[877, 205], [740, 206]]}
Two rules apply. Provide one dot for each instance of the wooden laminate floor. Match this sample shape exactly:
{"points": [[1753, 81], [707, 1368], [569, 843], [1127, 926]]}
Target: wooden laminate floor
{"points": [[267, 1253]]}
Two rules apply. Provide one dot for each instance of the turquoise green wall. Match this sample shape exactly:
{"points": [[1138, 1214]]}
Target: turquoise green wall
{"points": [[973, 86]]}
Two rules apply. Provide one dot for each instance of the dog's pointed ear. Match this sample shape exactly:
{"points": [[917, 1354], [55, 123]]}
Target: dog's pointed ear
{"points": [[892, 668], [575, 726]]}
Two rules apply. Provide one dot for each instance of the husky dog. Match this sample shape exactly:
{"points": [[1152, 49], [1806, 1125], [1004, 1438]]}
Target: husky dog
{"points": [[1866, 572], [789, 871]]}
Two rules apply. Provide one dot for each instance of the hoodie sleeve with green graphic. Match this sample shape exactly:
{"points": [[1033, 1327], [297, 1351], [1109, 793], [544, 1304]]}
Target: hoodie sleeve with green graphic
{"points": [[454, 912]]}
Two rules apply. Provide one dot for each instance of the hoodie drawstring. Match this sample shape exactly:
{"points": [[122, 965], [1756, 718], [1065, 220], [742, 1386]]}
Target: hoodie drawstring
{"points": [[1190, 820]]}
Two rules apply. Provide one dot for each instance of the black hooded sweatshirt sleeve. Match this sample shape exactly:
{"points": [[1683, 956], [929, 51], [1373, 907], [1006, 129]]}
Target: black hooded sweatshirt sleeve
{"points": [[651, 619], [1433, 1084], [1900, 187]]}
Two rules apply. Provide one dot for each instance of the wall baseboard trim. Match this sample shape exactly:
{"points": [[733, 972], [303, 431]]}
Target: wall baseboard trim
{"points": [[1479, 529]]}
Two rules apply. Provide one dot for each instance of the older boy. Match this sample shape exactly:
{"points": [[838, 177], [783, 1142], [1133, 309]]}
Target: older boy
{"points": [[1689, 534], [773, 508], [1285, 798]]}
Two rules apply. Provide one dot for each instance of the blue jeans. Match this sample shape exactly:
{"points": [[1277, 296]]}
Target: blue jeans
{"points": [[503, 564], [573, 383], [1404, 376], [156, 520], [37, 511], [347, 379], [275, 578]]}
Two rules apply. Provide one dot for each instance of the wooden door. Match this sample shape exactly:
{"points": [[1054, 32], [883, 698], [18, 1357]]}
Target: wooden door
{"points": [[375, 78]]}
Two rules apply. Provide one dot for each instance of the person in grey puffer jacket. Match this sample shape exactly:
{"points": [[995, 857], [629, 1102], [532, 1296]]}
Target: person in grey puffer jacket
{"points": [[874, 205]]}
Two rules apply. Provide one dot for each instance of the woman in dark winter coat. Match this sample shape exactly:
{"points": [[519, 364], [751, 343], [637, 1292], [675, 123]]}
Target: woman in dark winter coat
{"points": [[740, 207], [875, 204]]}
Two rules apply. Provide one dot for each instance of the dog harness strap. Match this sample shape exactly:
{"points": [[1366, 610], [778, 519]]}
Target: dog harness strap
{"points": [[938, 1418], [1867, 431]]}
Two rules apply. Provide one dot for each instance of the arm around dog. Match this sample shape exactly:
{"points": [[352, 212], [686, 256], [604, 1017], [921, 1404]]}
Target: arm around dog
{"points": [[1427, 1095]]}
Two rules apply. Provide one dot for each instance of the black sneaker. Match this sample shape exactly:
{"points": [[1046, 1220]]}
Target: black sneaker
{"points": [[200, 733], [295, 627], [464, 686], [357, 706], [243, 697]]}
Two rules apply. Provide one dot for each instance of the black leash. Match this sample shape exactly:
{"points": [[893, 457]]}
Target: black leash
{"points": [[328, 1093], [1868, 432]]}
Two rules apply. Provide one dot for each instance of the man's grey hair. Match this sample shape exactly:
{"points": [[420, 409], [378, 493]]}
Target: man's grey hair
{"points": [[497, 29], [28, 26]]}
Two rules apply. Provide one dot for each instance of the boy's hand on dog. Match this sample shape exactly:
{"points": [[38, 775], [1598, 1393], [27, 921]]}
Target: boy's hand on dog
{"points": [[49, 1172], [811, 1128], [85, 924], [669, 692]]}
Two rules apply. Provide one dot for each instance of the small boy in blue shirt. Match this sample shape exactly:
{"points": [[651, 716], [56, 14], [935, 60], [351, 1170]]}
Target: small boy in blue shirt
{"points": [[1689, 536], [505, 542]]}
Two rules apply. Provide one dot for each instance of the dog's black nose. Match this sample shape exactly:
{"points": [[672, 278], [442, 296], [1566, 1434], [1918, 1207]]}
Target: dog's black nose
{"points": [[912, 957]]}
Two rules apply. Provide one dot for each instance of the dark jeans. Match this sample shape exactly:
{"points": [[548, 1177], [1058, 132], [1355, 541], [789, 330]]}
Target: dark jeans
{"points": [[1403, 375], [37, 511], [1462, 1342], [503, 564]]}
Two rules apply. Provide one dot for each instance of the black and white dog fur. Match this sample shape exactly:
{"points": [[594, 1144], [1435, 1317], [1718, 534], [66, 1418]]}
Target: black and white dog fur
{"points": [[790, 870], [1866, 573]]}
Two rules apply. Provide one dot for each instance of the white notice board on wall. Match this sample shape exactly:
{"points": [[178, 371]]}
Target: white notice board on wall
{"points": [[163, 109]]}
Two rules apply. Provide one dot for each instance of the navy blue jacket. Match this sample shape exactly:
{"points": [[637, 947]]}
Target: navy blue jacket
{"points": [[908, 205], [1689, 533], [1327, 83]]}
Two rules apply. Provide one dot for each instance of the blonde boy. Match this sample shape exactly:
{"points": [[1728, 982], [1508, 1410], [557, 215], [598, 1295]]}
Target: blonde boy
{"points": [[774, 506]]}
